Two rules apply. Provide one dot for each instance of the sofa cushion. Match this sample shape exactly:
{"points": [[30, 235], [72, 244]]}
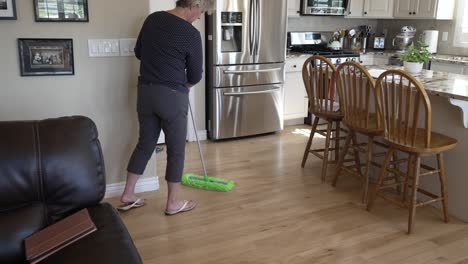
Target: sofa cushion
{"points": [[15, 226], [111, 243], [72, 165]]}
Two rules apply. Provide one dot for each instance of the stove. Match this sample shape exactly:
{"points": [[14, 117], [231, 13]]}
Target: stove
{"points": [[315, 43]]}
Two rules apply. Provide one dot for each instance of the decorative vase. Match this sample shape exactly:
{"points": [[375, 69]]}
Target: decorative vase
{"points": [[413, 67]]}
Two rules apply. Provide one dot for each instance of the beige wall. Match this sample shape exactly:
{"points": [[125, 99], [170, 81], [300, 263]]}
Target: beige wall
{"points": [[102, 88]]}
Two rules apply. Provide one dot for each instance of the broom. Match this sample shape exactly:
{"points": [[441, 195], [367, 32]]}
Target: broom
{"points": [[204, 181]]}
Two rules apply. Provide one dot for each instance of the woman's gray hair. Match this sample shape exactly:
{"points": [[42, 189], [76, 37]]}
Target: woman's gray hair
{"points": [[189, 3]]}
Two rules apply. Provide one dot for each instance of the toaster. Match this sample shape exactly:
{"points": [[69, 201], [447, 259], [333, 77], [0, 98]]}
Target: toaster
{"points": [[379, 43]]}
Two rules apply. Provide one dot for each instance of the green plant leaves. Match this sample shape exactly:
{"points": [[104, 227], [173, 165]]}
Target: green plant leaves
{"points": [[416, 54]]}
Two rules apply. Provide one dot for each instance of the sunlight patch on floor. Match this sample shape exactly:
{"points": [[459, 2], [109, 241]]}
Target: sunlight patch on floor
{"points": [[305, 132]]}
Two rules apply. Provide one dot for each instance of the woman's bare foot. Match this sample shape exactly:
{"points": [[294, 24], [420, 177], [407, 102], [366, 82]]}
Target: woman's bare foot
{"points": [[125, 198], [180, 206]]}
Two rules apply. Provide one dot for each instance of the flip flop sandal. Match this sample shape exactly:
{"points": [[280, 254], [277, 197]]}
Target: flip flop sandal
{"points": [[125, 207], [183, 208]]}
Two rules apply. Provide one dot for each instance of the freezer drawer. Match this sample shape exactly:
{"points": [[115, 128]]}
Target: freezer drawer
{"points": [[251, 74], [245, 111]]}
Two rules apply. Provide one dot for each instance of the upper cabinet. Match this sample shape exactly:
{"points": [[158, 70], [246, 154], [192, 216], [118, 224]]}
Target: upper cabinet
{"points": [[294, 7], [370, 9], [378, 8], [424, 9], [355, 9]]}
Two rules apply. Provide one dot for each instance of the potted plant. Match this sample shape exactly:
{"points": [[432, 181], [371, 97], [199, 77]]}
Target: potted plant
{"points": [[414, 57]]}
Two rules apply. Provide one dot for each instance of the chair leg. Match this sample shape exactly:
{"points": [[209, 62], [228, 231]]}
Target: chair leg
{"points": [[337, 141], [443, 190], [383, 170], [409, 172], [341, 159], [309, 143], [365, 193], [356, 154], [414, 193], [325, 154], [397, 177]]}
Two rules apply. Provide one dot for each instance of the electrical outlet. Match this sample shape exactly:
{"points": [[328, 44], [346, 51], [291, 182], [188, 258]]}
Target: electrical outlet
{"points": [[127, 46], [103, 47], [444, 36]]}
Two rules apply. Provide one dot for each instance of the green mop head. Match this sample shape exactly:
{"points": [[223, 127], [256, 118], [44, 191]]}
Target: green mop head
{"points": [[207, 183]]}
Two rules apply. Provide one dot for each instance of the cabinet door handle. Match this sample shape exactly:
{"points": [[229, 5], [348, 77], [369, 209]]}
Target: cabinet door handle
{"points": [[410, 13], [365, 13], [414, 13]]}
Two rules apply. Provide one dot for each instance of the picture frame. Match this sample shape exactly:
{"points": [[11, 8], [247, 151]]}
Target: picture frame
{"points": [[7, 9], [39, 57], [61, 10]]}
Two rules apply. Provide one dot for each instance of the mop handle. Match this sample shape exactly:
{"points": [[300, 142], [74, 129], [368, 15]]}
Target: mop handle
{"points": [[198, 142]]}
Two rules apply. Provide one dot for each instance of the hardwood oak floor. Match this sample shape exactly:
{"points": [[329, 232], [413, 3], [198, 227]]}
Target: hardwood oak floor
{"points": [[281, 213]]}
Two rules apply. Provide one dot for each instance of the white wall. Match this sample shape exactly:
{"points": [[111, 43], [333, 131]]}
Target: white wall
{"points": [[102, 88]]}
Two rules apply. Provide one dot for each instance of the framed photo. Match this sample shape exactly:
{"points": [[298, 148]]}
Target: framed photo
{"points": [[61, 10], [8, 9], [46, 57]]}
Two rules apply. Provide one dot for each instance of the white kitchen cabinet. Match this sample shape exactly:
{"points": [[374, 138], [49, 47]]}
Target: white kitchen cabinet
{"points": [[447, 67], [295, 105], [378, 8], [374, 59], [367, 59], [355, 9], [370, 9], [294, 7], [424, 9], [381, 59]]}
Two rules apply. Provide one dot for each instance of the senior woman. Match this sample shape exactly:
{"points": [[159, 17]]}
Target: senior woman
{"points": [[171, 59]]}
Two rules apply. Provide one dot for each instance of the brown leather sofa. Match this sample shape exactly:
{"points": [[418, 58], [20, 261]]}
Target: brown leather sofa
{"points": [[50, 169]]}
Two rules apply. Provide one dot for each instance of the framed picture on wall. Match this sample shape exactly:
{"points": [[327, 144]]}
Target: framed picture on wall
{"points": [[8, 9], [46, 57], [61, 10]]}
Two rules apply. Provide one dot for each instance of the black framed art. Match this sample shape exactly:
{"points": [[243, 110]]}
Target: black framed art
{"points": [[7, 9], [61, 10], [46, 57]]}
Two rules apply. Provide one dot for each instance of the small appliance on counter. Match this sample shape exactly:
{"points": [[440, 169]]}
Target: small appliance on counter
{"points": [[379, 43], [431, 39], [404, 39]]}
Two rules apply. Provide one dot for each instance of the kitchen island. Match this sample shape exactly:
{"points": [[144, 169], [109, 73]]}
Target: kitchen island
{"points": [[448, 94]]}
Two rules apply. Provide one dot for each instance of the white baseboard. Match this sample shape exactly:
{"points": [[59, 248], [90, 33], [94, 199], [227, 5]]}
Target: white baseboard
{"points": [[143, 185], [202, 134]]}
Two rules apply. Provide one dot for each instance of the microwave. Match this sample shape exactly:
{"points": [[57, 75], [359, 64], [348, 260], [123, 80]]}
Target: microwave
{"points": [[323, 7]]}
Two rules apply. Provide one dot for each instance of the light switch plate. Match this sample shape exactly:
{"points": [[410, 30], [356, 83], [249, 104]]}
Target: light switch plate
{"points": [[103, 47], [444, 36], [127, 46]]}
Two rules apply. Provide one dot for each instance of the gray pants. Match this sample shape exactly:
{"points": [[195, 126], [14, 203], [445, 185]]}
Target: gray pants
{"points": [[161, 107]]}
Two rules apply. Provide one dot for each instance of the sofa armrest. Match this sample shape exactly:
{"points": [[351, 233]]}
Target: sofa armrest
{"points": [[111, 243]]}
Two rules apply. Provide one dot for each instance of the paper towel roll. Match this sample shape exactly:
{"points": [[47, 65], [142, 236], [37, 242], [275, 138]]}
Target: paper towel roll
{"points": [[430, 38]]}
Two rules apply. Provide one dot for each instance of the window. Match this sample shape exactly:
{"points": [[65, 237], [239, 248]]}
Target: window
{"points": [[461, 29]]}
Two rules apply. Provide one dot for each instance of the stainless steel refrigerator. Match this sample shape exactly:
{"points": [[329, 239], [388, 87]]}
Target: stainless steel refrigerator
{"points": [[246, 50]]}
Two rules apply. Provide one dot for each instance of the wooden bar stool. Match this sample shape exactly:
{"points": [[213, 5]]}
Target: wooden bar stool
{"points": [[361, 115], [401, 96], [317, 73]]}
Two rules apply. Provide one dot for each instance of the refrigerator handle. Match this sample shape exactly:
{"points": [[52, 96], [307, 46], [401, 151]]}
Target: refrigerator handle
{"points": [[257, 29], [276, 89], [250, 71], [251, 28]]}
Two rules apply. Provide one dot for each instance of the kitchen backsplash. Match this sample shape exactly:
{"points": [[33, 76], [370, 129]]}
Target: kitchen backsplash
{"points": [[444, 47], [330, 23], [326, 23]]}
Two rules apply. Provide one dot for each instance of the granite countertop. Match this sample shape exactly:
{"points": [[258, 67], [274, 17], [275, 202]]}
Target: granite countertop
{"points": [[450, 85], [453, 59]]}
